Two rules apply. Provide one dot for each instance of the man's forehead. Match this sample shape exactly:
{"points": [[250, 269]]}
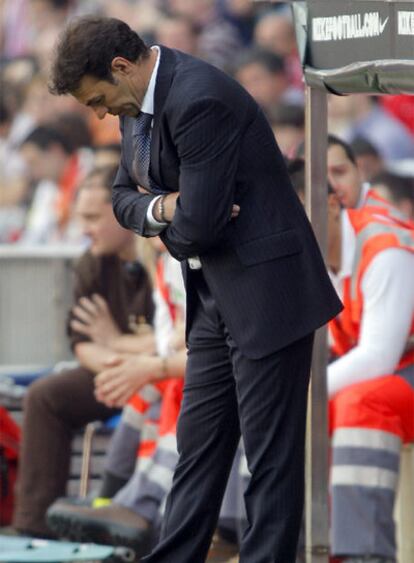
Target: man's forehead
{"points": [[336, 155]]}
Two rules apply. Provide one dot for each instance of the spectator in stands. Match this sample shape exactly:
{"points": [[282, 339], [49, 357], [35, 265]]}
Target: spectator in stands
{"points": [[177, 32], [13, 189], [149, 418], [218, 39], [74, 127], [402, 107], [368, 159], [148, 424], [16, 124], [55, 169], [275, 32], [242, 15], [371, 377], [288, 124], [398, 190], [112, 298], [345, 178], [360, 115], [264, 76]]}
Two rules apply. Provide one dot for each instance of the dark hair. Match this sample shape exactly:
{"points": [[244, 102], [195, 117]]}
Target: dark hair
{"points": [[74, 128], [296, 170], [361, 146], [5, 113], [399, 187], [44, 136], [60, 4], [287, 115], [270, 61], [334, 140], [88, 46], [106, 176]]}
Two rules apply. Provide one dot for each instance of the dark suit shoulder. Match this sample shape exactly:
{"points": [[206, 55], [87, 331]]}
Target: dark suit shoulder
{"points": [[195, 81]]}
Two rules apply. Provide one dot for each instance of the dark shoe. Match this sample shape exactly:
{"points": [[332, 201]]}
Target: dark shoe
{"points": [[110, 525]]}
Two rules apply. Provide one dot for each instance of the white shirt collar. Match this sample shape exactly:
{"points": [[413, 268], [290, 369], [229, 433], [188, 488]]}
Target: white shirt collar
{"points": [[148, 101]]}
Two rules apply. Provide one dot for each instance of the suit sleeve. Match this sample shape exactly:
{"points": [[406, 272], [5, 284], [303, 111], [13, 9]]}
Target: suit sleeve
{"points": [[130, 206], [207, 137]]}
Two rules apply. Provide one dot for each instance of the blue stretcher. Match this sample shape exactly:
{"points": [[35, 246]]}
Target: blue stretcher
{"points": [[30, 550]]}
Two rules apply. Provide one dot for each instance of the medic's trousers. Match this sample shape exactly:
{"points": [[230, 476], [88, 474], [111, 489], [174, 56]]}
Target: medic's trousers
{"points": [[145, 449], [369, 422]]}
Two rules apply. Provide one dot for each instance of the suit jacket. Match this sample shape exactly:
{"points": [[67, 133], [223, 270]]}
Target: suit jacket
{"points": [[212, 143]]}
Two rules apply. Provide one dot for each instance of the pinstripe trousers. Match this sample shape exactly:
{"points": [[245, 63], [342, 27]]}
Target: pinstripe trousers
{"points": [[270, 395]]}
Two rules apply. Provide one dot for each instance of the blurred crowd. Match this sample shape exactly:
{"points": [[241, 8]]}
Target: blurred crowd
{"points": [[48, 144], [57, 164]]}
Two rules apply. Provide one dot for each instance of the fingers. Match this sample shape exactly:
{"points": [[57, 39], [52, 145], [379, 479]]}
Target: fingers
{"points": [[88, 305], [82, 328], [112, 362], [88, 309], [82, 315], [112, 391], [100, 303]]}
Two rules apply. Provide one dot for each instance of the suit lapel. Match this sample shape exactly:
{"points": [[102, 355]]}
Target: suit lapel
{"points": [[162, 86]]}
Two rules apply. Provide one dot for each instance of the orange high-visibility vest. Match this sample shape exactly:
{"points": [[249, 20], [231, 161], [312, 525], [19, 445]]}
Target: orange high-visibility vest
{"points": [[372, 199], [376, 230]]}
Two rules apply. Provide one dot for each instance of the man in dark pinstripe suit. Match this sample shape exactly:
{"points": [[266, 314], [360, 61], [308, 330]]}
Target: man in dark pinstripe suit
{"points": [[257, 286]]}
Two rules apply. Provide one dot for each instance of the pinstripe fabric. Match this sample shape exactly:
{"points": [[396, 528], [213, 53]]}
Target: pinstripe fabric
{"points": [[211, 142], [208, 433], [269, 290]]}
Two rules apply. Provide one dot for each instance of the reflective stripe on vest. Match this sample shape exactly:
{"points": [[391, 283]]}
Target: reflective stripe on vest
{"points": [[372, 199]]}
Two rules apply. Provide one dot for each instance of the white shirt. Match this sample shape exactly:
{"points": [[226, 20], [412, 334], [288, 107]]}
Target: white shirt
{"points": [[152, 226], [388, 294]]}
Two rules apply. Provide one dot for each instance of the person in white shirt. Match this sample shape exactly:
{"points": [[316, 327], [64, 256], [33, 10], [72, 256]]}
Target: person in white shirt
{"points": [[370, 258]]}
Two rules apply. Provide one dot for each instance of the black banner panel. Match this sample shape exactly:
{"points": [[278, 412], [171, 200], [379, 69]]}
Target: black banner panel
{"points": [[357, 45]]}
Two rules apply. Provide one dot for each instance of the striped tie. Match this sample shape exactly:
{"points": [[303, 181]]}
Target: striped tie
{"points": [[142, 145]]}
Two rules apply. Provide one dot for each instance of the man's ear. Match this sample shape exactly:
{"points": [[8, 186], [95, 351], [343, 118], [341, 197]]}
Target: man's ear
{"points": [[120, 65]]}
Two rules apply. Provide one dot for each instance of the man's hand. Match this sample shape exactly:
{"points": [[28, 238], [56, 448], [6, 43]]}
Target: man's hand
{"points": [[123, 377], [94, 319]]}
